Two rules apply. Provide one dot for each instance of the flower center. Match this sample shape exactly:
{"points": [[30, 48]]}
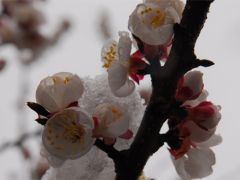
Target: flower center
{"points": [[73, 132], [116, 113], [152, 17], [110, 55], [58, 80]]}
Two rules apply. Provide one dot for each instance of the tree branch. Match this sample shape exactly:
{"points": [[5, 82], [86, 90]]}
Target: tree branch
{"points": [[109, 149], [164, 81], [20, 140]]}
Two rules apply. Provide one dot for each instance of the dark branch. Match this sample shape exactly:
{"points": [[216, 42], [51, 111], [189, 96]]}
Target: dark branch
{"points": [[108, 149], [164, 82]]}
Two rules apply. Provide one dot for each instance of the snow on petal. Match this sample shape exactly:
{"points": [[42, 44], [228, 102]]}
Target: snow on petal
{"points": [[112, 121], [68, 134], [199, 163], [190, 86], [119, 82], [53, 160], [153, 21], [59, 90]]}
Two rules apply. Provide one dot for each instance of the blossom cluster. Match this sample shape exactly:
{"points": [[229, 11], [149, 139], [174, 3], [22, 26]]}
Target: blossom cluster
{"points": [[69, 130], [195, 131], [73, 120]]}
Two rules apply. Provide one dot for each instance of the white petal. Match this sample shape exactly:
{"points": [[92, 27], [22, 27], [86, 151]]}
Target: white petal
{"points": [[124, 46], [194, 81], [119, 82], [44, 98], [58, 91], [202, 97], [68, 134], [213, 141], [112, 121], [119, 126], [173, 14], [180, 168], [198, 134], [140, 25], [200, 162], [109, 52]]}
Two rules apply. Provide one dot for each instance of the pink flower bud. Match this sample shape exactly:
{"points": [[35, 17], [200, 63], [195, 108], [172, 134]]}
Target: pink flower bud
{"points": [[206, 115], [190, 86]]}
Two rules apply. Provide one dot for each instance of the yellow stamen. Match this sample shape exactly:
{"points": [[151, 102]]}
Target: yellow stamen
{"points": [[158, 19], [54, 80], [66, 80], [110, 55], [116, 113], [73, 132]]}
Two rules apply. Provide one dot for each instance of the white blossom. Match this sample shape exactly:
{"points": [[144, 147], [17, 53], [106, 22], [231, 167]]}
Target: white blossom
{"points": [[152, 21], [115, 57], [68, 135], [59, 90], [111, 121], [198, 162]]}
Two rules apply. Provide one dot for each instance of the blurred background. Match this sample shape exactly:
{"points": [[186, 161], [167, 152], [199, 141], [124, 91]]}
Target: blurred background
{"points": [[78, 51]]}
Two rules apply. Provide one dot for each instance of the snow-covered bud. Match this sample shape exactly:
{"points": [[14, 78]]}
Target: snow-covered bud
{"points": [[190, 86], [59, 91], [153, 21], [68, 134], [111, 122]]}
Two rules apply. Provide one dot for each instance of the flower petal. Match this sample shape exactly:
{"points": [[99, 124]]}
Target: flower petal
{"points": [[58, 91], [190, 86], [124, 46], [199, 163], [68, 134], [153, 22], [212, 141], [198, 134], [119, 82], [180, 168], [112, 121]]}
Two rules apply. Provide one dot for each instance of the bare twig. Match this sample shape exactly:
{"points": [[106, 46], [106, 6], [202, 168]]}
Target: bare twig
{"points": [[20, 140]]}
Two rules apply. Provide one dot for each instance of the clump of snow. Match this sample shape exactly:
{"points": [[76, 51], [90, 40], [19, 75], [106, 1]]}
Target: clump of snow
{"points": [[95, 165]]}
